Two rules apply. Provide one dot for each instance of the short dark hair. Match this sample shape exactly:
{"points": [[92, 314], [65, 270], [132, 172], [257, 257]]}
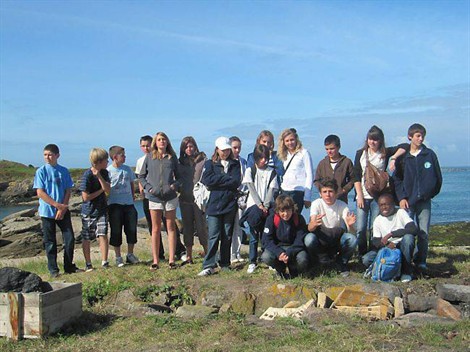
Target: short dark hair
{"points": [[387, 195], [415, 128], [333, 139], [260, 151], [235, 139], [329, 183], [146, 138], [52, 148]]}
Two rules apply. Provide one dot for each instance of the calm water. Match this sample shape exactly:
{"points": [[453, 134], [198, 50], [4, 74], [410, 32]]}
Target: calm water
{"points": [[451, 205]]}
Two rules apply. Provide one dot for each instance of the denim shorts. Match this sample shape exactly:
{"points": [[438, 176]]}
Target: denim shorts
{"points": [[94, 226]]}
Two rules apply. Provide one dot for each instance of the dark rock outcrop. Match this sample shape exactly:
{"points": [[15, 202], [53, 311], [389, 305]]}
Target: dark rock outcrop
{"points": [[16, 280]]}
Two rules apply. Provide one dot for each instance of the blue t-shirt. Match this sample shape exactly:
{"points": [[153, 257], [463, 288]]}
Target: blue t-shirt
{"points": [[89, 183], [121, 179], [55, 181]]}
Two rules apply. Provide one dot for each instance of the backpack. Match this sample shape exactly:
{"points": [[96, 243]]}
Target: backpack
{"points": [[375, 180], [387, 265], [277, 220], [201, 195]]}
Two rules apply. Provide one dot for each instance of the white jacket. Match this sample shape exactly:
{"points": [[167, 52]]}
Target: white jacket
{"points": [[299, 175]]}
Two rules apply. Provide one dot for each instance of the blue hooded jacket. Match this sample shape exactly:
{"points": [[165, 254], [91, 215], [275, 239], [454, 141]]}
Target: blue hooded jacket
{"points": [[417, 178], [223, 186]]}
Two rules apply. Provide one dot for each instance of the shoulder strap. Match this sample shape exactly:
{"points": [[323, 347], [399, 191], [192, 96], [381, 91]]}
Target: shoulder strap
{"points": [[277, 220], [272, 177], [290, 162], [253, 173]]}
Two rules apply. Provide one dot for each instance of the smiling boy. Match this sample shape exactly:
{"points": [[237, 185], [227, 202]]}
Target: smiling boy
{"points": [[395, 229], [417, 180], [332, 227], [335, 166]]}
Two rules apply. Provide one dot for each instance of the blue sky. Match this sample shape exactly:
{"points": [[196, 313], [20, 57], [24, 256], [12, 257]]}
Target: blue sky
{"points": [[97, 73]]}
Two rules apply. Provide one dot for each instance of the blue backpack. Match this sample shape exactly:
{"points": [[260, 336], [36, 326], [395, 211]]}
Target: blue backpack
{"points": [[387, 265]]}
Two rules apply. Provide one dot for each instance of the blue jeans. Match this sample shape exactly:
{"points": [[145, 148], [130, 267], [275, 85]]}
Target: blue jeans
{"points": [[50, 242], [122, 216], [421, 214], [406, 246], [298, 197], [365, 219], [220, 229], [346, 246], [254, 240], [297, 265]]}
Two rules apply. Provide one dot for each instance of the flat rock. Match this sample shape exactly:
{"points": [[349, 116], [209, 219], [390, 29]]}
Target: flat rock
{"points": [[418, 303], [215, 298], [27, 213], [454, 293], [445, 309], [20, 225], [420, 319], [195, 312], [244, 303]]}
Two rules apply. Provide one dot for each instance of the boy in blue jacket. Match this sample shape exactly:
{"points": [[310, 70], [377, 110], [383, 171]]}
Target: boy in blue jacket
{"points": [[283, 239], [417, 180]]}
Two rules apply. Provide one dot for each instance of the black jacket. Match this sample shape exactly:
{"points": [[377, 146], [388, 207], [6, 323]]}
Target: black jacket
{"points": [[417, 178]]}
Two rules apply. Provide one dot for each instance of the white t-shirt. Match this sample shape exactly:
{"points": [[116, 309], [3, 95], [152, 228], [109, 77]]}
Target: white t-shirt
{"points": [[384, 225], [335, 215], [376, 160], [261, 183], [139, 163]]}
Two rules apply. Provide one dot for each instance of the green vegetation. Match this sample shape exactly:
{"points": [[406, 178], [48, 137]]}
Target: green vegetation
{"points": [[11, 171], [101, 329]]}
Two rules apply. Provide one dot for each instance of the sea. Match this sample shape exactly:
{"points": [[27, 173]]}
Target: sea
{"points": [[452, 204]]}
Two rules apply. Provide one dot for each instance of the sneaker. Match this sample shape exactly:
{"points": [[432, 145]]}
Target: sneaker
{"points": [[422, 267], [251, 268], [74, 269], [88, 267], [184, 257], [55, 275], [344, 270], [405, 278], [119, 262], [234, 260], [131, 258], [104, 264], [206, 272], [240, 259], [225, 269]]}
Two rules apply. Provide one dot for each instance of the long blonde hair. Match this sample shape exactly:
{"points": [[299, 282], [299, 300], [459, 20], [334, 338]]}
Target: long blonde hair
{"points": [[169, 149], [282, 151]]}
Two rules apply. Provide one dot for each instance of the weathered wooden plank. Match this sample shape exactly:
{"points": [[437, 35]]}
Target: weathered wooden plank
{"points": [[31, 329], [3, 328], [4, 299], [14, 326], [66, 308], [31, 299], [62, 294], [31, 313]]}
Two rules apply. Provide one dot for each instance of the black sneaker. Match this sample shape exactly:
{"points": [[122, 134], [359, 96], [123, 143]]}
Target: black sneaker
{"points": [[74, 269]]}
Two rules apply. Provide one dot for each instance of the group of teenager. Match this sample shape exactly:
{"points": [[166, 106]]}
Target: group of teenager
{"points": [[265, 193]]}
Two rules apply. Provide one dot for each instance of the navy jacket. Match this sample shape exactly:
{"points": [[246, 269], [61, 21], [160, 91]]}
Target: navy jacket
{"points": [[417, 178], [223, 186], [286, 234]]}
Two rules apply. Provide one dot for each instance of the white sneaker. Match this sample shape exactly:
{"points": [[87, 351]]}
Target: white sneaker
{"points": [[206, 272], [405, 278], [132, 259], [251, 268], [240, 259], [119, 262], [184, 257]]}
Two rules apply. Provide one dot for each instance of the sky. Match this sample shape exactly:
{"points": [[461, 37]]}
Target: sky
{"points": [[86, 74]]}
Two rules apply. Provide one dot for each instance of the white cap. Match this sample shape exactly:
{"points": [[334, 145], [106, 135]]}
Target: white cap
{"points": [[223, 143]]}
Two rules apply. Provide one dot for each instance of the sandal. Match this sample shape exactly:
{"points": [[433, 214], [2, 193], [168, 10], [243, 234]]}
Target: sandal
{"points": [[154, 267], [172, 266], [186, 262]]}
